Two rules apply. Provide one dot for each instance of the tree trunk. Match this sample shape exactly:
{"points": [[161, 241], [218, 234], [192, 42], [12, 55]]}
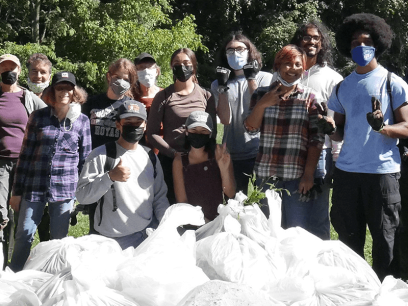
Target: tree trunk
{"points": [[35, 21]]}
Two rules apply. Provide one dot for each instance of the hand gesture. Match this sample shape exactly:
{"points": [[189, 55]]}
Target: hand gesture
{"points": [[222, 157], [120, 173], [272, 96], [222, 75], [325, 123], [376, 118], [251, 70]]}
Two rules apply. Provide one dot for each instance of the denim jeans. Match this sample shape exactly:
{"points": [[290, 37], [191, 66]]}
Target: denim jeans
{"points": [[29, 217], [7, 168], [294, 212], [319, 217]]}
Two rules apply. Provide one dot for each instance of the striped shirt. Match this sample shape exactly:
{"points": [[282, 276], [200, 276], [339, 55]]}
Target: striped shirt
{"points": [[51, 157], [287, 131]]}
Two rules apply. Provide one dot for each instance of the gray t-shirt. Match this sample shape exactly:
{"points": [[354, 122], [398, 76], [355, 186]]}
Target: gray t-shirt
{"points": [[241, 145]]}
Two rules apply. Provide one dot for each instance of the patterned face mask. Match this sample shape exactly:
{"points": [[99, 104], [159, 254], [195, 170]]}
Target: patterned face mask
{"points": [[37, 87]]}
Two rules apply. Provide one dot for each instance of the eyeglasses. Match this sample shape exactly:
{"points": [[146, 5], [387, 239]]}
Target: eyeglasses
{"points": [[308, 38], [239, 50]]}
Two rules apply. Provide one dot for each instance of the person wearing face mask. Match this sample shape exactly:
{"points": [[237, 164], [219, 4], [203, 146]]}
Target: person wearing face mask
{"points": [[39, 77], [132, 193], [170, 109], [371, 112], [146, 88], [101, 110], [39, 73], [203, 176], [56, 143], [238, 75], [16, 104], [286, 115]]}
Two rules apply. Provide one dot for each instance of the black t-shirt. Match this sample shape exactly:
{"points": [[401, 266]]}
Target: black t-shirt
{"points": [[101, 112]]}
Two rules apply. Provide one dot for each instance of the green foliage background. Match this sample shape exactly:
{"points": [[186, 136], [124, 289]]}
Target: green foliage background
{"points": [[85, 36]]}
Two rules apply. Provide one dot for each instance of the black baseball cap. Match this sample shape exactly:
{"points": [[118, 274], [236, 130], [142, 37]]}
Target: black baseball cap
{"points": [[143, 56], [63, 76], [132, 108]]}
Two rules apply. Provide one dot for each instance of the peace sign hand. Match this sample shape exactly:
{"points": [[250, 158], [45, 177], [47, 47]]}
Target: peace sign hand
{"points": [[376, 117]]}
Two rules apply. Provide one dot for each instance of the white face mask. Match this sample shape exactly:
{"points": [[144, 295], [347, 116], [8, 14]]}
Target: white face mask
{"points": [[37, 87], [72, 114], [287, 84], [147, 77], [237, 60]]}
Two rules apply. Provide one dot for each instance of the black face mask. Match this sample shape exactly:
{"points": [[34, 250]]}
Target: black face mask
{"points": [[198, 140], [182, 73], [9, 77], [132, 134]]}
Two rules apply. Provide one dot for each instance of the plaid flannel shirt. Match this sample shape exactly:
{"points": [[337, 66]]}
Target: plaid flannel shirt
{"points": [[51, 157], [287, 131]]}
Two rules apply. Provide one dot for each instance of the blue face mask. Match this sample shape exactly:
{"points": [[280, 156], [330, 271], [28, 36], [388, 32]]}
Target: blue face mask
{"points": [[237, 60], [363, 55]]}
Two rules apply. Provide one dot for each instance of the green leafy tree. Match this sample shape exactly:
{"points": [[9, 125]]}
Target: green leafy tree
{"points": [[93, 33]]}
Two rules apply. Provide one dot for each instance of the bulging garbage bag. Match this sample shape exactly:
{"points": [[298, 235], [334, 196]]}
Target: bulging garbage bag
{"points": [[222, 293], [32, 278], [163, 269], [233, 257], [24, 297], [53, 256]]}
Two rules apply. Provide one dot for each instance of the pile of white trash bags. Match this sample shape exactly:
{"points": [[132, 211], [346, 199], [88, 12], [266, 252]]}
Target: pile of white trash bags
{"points": [[240, 258]]}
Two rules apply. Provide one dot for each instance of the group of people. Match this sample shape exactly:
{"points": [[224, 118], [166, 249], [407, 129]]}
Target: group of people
{"points": [[302, 128]]}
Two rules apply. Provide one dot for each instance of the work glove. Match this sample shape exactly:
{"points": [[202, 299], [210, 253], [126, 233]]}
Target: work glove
{"points": [[313, 192], [376, 118], [251, 69], [324, 123], [222, 75]]}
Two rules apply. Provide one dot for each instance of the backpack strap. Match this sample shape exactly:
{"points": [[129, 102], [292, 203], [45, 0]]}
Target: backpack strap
{"points": [[109, 165], [389, 74], [152, 158], [337, 89]]}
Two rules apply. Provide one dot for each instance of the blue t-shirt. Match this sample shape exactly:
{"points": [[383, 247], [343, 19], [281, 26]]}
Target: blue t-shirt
{"points": [[364, 150]]}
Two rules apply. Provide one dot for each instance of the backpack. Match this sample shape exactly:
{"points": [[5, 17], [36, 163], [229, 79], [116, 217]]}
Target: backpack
{"points": [[109, 165]]}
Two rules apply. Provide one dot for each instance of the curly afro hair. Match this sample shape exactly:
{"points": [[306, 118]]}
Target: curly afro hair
{"points": [[324, 54], [379, 30]]}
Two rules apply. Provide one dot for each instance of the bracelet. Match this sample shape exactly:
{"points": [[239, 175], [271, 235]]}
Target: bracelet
{"points": [[250, 128], [381, 128], [222, 89]]}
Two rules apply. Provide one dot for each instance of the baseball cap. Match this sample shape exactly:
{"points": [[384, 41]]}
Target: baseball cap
{"points": [[132, 108], [63, 76], [10, 57], [199, 118], [143, 56]]}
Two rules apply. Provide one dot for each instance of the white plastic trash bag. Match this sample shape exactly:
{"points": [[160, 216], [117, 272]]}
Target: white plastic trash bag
{"points": [[32, 278], [163, 269], [53, 256], [233, 257], [222, 293]]}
